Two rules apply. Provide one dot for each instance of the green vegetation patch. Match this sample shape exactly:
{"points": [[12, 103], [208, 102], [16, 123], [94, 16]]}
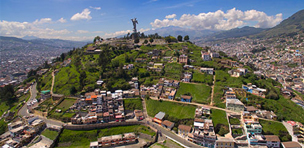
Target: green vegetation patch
{"points": [[220, 122], [173, 70], [65, 79], [234, 121], [199, 77], [237, 131], [82, 139], [63, 106], [50, 134], [132, 104], [275, 128], [176, 110], [200, 92]]}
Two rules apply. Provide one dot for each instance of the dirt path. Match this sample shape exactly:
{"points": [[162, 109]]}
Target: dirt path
{"points": [[53, 81], [212, 92]]}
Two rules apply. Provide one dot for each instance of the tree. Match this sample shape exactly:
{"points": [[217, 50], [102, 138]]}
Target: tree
{"points": [[146, 41], [82, 77], [186, 38], [136, 40], [151, 40], [7, 94], [73, 90], [179, 38], [97, 38]]}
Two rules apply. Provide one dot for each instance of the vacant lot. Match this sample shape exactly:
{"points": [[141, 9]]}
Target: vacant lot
{"points": [[63, 106], [132, 104], [200, 92], [199, 77], [173, 71], [220, 122], [82, 139], [49, 134], [275, 128], [177, 110]]}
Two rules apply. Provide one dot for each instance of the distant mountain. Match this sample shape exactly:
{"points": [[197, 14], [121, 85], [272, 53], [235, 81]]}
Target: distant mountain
{"points": [[175, 31], [10, 43], [234, 33], [28, 37], [293, 24]]}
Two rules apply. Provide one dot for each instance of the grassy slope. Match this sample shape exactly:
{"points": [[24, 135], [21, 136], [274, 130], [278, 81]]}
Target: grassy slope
{"points": [[200, 92], [202, 78], [177, 110], [132, 104], [49, 134], [82, 139], [65, 79], [173, 70], [276, 128], [219, 117]]}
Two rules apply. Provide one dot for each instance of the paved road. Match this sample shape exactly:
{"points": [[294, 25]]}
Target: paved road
{"points": [[23, 111]]}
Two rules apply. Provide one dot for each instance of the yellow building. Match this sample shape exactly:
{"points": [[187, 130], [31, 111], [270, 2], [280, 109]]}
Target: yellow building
{"points": [[158, 65]]}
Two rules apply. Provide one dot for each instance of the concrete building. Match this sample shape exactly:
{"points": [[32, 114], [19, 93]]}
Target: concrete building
{"points": [[234, 105]]}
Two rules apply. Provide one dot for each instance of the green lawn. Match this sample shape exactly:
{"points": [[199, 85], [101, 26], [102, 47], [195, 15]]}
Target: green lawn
{"points": [[237, 131], [3, 126], [234, 121], [82, 139], [173, 70], [200, 92], [202, 78], [220, 122], [275, 128], [176, 110], [132, 104], [63, 106], [50, 134]]}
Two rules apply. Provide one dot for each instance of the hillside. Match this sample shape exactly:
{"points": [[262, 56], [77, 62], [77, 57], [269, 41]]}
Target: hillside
{"points": [[293, 24], [85, 69], [234, 33], [9, 43]]}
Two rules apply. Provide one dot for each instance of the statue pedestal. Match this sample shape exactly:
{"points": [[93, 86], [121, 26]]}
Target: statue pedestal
{"points": [[134, 34]]}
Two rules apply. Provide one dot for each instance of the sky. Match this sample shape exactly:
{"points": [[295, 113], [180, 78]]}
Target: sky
{"points": [[84, 19]]}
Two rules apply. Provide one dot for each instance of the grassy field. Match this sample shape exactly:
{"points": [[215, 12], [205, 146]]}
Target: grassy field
{"points": [[63, 106], [46, 81], [173, 70], [234, 121], [132, 104], [275, 128], [219, 121], [50, 134], [82, 139], [177, 110], [65, 79], [200, 92], [199, 77], [237, 131], [3, 126]]}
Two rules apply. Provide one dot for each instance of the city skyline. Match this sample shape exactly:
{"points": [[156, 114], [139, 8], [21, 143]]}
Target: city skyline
{"points": [[83, 20]]}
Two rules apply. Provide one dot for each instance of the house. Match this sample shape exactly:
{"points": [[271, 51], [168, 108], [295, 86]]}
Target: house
{"points": [[253, 127], [206, 139], [238, 72], [91, 49], [209, 71], [158, 118], [187, 77], [158, 65], [206, 56], [251, 109], [114, 140], [167, 124], [214, 55], [94, 144], [185, 98], [272, 141], [184, 130], [183, 59], [172, 94], [139, 60], [225, 143], [138, 115], [291, 144], [234, 105]]}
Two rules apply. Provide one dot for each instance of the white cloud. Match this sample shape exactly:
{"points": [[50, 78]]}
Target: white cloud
{"points": [[143, 30], [85, 14], [117, 33], [62, 20], [82, 31], [96, 8], [43, 21], [171, 16], [220, 20]]}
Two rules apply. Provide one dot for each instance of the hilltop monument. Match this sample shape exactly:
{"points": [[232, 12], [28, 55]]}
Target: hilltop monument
{"points": [[134, 34]]}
